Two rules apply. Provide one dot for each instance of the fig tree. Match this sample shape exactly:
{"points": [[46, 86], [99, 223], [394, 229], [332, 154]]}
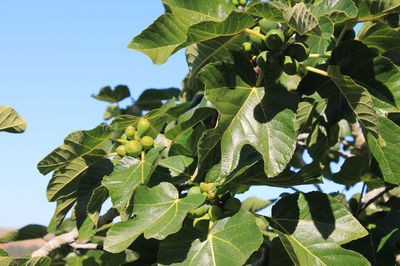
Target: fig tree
{"points": [[142, 126], [130, 132], [133, 148], [290, 65], [266, 25], [147, 142], [232, 204], [298, 51], [274, 39], [121, 150], [214, 212]]}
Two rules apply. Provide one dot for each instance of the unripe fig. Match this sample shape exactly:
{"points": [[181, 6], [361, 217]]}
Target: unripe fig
{"points": [[199, 212], [124, 137], [262, 59], [194, 191], [274, 39], [232, 204], [246, 46], [147, 142], [235, 2], [290, 65], [133, 148], [242, 2], [214, 212], [121, 150], [257, 42], [202, 223], [142, 126], [266, 25], [205, 187], [130, 132], [298, 51]]}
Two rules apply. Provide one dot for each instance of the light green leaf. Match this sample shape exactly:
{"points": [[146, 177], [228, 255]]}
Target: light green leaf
{"points": [[159, 213], [337, 11], [358, 98], [248, 115], [312, 234], [300, 18], [31, 231], [123, 181], [386, 149], [319, 44], [98, 197], [230, 241], [380, 36], [178, 165], [10, 121], [254, 204], [370, 9], [270, 10], [169, 32], [8, 261], [39, 261], [234, 24], [62, 208], [119, 93], [85, 144]]}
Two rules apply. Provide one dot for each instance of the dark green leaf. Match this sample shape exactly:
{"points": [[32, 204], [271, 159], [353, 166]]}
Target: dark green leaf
{"points": [[270, 10], [352, 171], [254, 204], [119, 93], [380, 36], [10, 121], [159, 212], [152, 98], [312, 234], [300, 18], [369, 9], [31, 231], [278, 255]]}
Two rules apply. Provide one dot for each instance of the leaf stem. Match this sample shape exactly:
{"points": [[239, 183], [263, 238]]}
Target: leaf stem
{"points": [[111, 155], [259, 35], [316, 70], [361, 197], [119, 140], [259, 78], [318, 56]]}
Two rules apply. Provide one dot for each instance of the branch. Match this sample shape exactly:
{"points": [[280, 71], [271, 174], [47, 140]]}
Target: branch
{"points": [[86, 246], [70, 237], [341, 153], [373, 195]]}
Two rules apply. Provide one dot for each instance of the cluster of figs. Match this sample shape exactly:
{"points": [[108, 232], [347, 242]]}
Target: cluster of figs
{"points": [[277, 53], [135, 140], [214, 208]]}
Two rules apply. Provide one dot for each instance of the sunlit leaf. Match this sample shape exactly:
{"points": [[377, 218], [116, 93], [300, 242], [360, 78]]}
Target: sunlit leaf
{"points": [[10, 121]]}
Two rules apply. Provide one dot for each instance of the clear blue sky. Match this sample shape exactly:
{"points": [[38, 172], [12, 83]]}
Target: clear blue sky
{"points": [[53, 56]]}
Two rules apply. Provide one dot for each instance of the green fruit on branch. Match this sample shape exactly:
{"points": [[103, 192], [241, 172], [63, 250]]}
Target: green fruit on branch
{"points": [[232, 204], [124, 137], [290, 65], [130, 132], [256, 41], [121, 150], [235, 2], [194, 191], [266, 25], [205, 187], [214, 212], [246, 46], [298, 51], [274, 39], [133, 148], [242, 2], [202, 223], [261, 60], [200, 211], [147, 142], [142, 126]]}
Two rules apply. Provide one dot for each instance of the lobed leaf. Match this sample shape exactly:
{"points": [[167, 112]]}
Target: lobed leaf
{"points": [[300, 18], [10, 121], [106, 94], [337, 11], [370, 9], [31, 231], [380, 36], [152, 98]]}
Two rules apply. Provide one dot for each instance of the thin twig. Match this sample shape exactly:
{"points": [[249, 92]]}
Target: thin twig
{"points": [[373, 195], [86, 246]]}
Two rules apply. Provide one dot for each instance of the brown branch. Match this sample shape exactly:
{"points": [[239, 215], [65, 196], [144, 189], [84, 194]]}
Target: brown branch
{"points": [[71, 237], [86, 246]]}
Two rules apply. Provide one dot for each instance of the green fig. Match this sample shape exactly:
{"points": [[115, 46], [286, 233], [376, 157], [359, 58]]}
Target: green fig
{"points": [[235, 2], [266, 25], [142, 126], [232, 204], [242, 2], [200, 211], [130, 132], [298, 51], [274, 39], [290, 65], [256, 41], [121, 150], [205, 187], [202, 223], [147, 142], [194, 191], [124, 137], [133, 148], [246, 46], [262, 59], [214, 212]]}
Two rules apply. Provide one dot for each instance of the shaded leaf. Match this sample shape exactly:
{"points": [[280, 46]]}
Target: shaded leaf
{"points": [[300, 18], [337, 11], [62, 208], [254, 204], [369, 9], [270, 10], [386, 149], [178, 165], [31, 231], [312, 234], [119, 93], [159, 213], [85, 144], [10, 121], [230, 241], [352, 170], [153, 98], [380, 36], [278, 255]]}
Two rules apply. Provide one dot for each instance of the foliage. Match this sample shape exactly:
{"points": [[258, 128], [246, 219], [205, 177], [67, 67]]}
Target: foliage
{"points": [[268, 81]]}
